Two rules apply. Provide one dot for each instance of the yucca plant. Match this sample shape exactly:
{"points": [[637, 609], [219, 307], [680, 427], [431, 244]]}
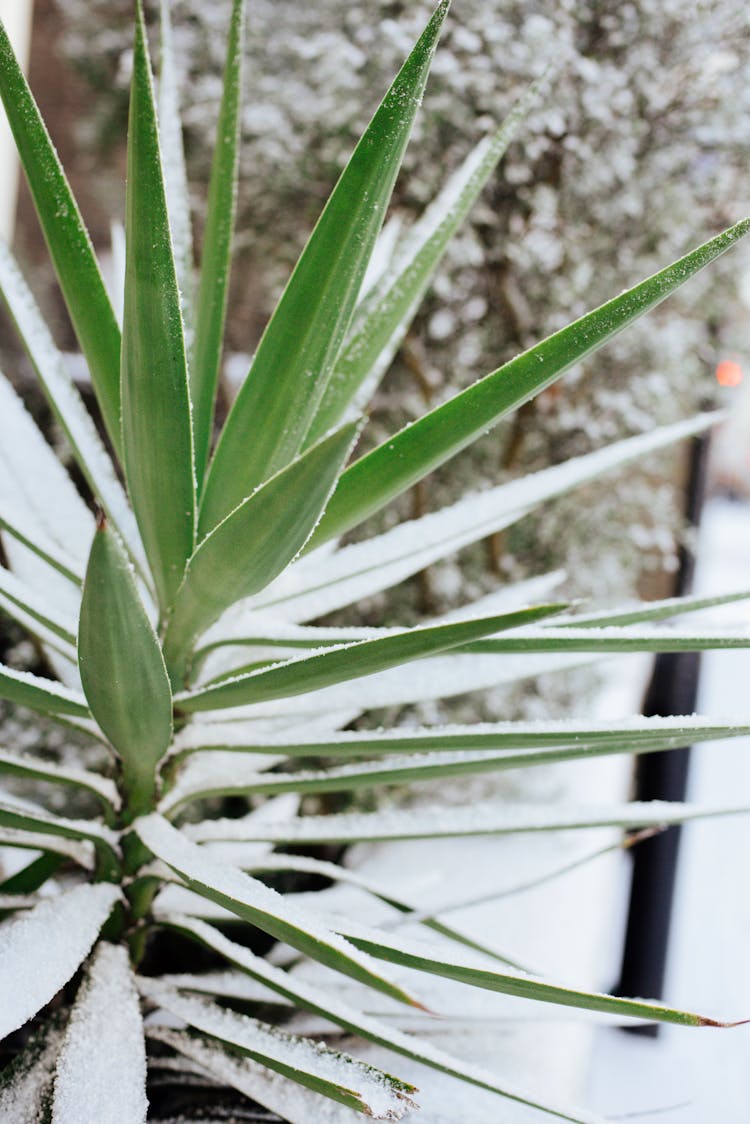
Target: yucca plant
{"points": [[177, 625]]}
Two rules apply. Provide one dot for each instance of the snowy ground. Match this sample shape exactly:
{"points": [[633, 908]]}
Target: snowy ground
{"points": [[701, 1076]]}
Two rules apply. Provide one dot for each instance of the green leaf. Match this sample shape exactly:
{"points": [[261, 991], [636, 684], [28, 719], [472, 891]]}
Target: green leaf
{"points": [[330, 1072], [122, 668], [217, 245], [68, 241], [300, 345], [256, 903], [404, 459], [652, 610], [622, 639], [32, 876], [253, 545], [458, 966], [43, 695], [156, 425], [351, 661], [382, 319]]}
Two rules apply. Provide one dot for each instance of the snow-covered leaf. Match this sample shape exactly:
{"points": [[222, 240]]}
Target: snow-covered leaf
{"points": [[173, 155], [25, 816], [44, 695], [328, 1003], [561, 733], [23, 765], [25, 1083], [466, 967], [222, 774], [443, 822], [38, 485], [101, 1070], [38, 614], [333, 1074], [79, 851], [250, 899], [41, 950]]}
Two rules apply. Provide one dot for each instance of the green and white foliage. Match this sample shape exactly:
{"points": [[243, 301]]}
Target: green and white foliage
{"points": [[183, 629], [644, 137]]}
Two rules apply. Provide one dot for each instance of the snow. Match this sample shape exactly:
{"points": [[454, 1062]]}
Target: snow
{"points": [[280, 1050], [101, 1071], [40, 951]]}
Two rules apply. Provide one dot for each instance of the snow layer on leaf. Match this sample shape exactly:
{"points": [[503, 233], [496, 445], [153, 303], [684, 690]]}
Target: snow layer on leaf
{"points": [[365, 568], [379, 1095], [101, 1072], [35, 816], [25, 1083], [40, 951], [440, 822]]}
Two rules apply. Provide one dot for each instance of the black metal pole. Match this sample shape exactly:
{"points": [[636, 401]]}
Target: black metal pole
{"points": [[673, 689]]}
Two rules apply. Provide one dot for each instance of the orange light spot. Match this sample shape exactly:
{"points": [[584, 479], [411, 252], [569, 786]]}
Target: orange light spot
{"points": [[728, 373]]}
